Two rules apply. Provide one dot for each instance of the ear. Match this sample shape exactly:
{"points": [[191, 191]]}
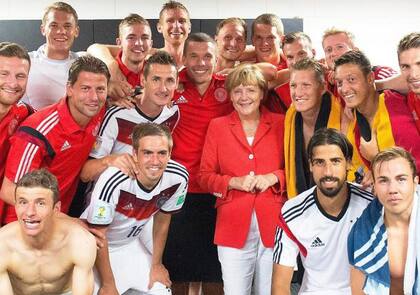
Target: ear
{"points": [[118, 41], [416, 180], [142, 79], [69, 90], [371, 77], [42, 29], [57, 206], [313, 52], [310, 165], [159, 27], [77, 32]]}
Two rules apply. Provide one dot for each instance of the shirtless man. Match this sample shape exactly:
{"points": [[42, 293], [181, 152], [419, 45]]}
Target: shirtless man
{"points": [[391, 265], [41, 251]]}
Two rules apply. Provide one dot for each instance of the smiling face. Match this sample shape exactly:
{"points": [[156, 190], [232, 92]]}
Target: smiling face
{"points": [[353, 85], [266, 41], [152, 157], [86, 96], [35, 209], [335, 46], [60, 30], [200, 60], [246, 100], [409, 61], [160, 84], [174, 25], [13, 79], [306, 91], [297, 50], [329, 169], [135, 41], [395, 186], [231, 41]]}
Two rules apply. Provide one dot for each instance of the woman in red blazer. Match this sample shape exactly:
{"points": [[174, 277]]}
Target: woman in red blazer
{"points": [[242, 164]]}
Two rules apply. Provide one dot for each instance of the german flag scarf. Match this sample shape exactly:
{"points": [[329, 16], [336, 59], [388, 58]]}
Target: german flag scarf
{"points": [[294, 146], [393, 125]]}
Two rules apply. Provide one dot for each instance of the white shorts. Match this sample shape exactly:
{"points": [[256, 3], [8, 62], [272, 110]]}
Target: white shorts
{"points": [[131, 266]]}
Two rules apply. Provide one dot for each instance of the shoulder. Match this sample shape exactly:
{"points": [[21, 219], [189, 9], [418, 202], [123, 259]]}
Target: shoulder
{"points": [[177, 170], [360, 195], [112, 174], [369, 218], [296, 207], [274, 118], [48, 116]]}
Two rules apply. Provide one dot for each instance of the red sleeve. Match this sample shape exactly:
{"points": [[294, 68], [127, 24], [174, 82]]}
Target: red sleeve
{"points": [[26, 154], [210, 178]]}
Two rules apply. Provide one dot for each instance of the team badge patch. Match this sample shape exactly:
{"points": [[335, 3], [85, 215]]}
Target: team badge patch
{"points": [[220, 94], [181, 200], [102, 214], [97, 145], [12, 126], [95, 130]]}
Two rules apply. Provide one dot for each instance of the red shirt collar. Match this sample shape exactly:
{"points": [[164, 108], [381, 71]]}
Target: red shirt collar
{"points": [[70, 124], [132, 78]]}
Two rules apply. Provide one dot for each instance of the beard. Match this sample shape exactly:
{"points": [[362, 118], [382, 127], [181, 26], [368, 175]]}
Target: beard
{"points": [[330, 192]]}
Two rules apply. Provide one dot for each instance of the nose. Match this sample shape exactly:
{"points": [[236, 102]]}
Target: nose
{"points": [[162, 86], [138, 41], [328, 169], [11, 80], [178, 24], [344, 87], [30, 210], [415, 72]]}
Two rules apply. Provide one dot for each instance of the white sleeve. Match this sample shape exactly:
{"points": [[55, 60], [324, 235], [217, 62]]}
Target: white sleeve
{"points": [[177, 199], [106, 137], [285, 250], [105, 196]]}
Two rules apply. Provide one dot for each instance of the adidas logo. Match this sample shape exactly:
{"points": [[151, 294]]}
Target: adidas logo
{"points": [[317, 243], [129, 206], [66, 145], [181, 99]]}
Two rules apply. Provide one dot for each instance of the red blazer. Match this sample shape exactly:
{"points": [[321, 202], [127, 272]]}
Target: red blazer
{"points": [[227, 154]]}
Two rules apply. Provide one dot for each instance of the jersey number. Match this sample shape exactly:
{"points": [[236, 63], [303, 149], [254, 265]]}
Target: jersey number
{"points": [[135, 231]]}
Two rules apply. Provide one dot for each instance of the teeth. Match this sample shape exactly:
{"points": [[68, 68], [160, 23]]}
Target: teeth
{"points": [[200, 72], [9, 90]]}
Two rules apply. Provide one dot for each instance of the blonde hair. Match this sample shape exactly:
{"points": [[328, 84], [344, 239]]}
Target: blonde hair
{"points": [[335, 31], [246, 74]]}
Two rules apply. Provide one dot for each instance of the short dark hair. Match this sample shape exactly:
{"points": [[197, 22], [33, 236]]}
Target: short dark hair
{"points": [[355, 57], [330, 136], [87, 63], [131, 19], [409, 41], [161, 57], [310, 64], [391, 154], [292, 37], [271, 20], [9, 49], [40, 178], [60, 6], [232, 20], [198, 37], [173, 5], [150, 129]]}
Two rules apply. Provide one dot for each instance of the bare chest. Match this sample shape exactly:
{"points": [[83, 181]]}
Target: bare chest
{"points": [[41, 272]]}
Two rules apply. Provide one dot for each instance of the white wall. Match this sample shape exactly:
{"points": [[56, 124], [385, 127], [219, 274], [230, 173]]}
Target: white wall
{"points": [[377, 24]]}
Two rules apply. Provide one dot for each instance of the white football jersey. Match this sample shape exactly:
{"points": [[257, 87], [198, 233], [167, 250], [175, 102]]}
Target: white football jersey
{"points": [[114, 136], [125, 205], [321, 240]]}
